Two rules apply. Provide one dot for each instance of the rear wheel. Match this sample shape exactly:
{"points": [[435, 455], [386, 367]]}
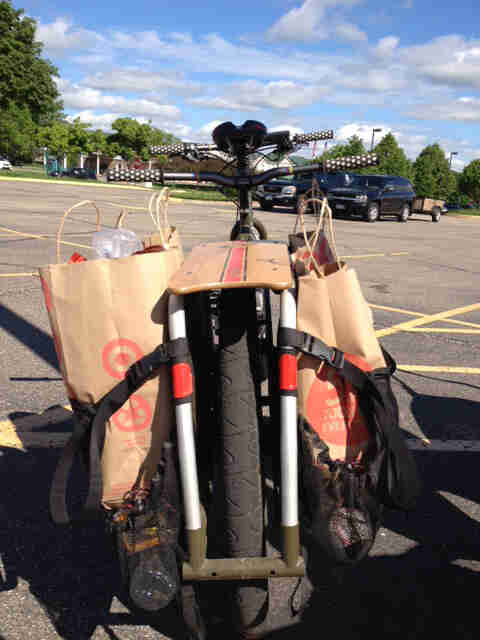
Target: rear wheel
{"points": [[436, 214], [237, 511], [257, 232]]}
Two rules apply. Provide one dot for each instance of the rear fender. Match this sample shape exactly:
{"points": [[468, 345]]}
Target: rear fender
{"points": [[231, 265]]}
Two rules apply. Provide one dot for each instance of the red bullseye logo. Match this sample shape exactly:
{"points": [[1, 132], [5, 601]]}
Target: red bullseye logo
{"points": [[118, 355], [333, 411], [134, 416]]}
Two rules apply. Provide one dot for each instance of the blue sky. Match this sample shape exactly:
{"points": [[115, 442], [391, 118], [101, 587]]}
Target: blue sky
{"points": [[405, 66]]}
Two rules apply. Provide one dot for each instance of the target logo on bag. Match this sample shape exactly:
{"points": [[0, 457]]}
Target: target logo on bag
{"points": [[333, 410], [118, 355], [136, 415]]}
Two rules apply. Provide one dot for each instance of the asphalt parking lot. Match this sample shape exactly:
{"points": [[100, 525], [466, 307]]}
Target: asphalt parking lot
{"points": [[420, 280]]}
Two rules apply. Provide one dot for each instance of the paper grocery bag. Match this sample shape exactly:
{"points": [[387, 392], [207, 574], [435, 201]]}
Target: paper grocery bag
{"points": [[316, 246], [105, 314], [331, 307]]}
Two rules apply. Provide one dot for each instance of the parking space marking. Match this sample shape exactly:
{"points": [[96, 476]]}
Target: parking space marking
{"points": [[420, 368], [31, 235], [376, 255], [426, 319], [17, 275], [441, 330], [422, 315]]}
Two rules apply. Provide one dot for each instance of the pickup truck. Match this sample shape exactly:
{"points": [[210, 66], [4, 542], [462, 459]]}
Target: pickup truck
{"points": [[286, 192]]}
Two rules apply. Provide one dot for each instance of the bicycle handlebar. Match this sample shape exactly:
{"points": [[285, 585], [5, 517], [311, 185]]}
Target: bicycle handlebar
{"points": [[336, 164], [303, 138], [273, 138]]}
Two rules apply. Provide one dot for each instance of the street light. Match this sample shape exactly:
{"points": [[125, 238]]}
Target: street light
{"points": [[452, 153], [374, 131]]}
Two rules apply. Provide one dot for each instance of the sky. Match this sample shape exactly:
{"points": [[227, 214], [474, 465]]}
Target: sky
{"points": [[410, 67]]}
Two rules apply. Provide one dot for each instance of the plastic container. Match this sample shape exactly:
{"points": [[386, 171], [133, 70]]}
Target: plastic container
{"points": [[115, 243]]}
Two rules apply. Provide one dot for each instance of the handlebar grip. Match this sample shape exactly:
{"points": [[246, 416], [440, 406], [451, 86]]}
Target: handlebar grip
{"points": [[168, 149], [351, 162], [313, 137]]}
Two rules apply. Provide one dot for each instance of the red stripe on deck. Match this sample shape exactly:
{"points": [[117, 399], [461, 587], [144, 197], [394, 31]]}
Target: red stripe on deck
{"points": [[235, 265]]}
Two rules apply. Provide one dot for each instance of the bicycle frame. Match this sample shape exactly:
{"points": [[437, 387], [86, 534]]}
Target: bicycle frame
{"points": [[199, 567]]}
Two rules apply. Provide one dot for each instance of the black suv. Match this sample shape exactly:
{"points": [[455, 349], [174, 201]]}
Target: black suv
{"points": [[288, 193], [372, 196]]}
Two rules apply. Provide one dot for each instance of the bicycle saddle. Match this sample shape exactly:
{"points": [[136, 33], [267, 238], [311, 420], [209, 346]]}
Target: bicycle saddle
{"points": [[250, 134]]}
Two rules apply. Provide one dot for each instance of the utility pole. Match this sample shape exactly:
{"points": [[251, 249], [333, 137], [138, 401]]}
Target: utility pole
{"points": [[374, 131]]}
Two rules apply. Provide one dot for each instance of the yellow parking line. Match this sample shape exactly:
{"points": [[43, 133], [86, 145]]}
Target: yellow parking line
{"points": [[376, 255], [426, 319], [432, 369], [422, 315], [31, 235], [8, 436], [441, 330], [17, 275]]}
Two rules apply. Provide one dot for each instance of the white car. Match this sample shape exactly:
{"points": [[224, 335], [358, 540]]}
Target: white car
{"points": [[5, 164]]}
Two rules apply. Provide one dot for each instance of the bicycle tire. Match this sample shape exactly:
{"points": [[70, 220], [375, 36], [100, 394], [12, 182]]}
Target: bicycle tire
{"points": [[259, 230], [238, 495]]}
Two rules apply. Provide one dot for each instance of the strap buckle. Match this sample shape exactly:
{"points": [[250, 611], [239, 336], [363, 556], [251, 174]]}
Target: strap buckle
{"points": [[315, 347]]}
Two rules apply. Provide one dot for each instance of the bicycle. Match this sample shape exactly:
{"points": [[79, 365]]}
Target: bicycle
{"points": [[240, 482]]}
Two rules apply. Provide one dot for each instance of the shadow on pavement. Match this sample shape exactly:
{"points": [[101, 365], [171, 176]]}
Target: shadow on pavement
{"points": [[423, 575], [71, 570], [31, 336]]}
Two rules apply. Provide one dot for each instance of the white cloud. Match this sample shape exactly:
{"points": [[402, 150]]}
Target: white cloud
{"points": [[349, 32], [464, 109], [447, 60], [386, 47], [306, 22], [76, 97], [255, 96], [60, 35], [138, 81], [412, 143]]}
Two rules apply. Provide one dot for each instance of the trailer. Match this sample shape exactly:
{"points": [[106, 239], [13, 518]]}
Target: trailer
{"points": [[428, 207]]}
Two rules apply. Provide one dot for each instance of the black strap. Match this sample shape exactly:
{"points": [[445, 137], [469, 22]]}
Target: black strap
{"points": [[308, 344], [91, 432]]}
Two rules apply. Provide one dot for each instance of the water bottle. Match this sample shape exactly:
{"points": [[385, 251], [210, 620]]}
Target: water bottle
{"points": [[115, 243]]}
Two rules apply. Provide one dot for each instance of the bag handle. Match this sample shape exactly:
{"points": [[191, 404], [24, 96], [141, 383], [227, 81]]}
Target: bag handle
{"points": [[324, 225], [158, 217], [63, 218]]}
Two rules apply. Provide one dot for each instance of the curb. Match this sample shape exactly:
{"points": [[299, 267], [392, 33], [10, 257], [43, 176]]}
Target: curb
{"points": [[77, 184], [113, 186]]}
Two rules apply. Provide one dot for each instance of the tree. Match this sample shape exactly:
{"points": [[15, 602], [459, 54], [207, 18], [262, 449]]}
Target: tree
{"points": [[134, 139], [433, 177], [391, 159], [354, 147], [470, 180], [17, 133], [56, 137], [26, 80]]}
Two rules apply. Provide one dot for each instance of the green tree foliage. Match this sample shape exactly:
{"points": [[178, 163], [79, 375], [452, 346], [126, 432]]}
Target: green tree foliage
{"points": [[353, 147], [17, 133], [26, 80], [470, 180], [131, 138], [391, 159], [55, 137], [432, 175]]}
